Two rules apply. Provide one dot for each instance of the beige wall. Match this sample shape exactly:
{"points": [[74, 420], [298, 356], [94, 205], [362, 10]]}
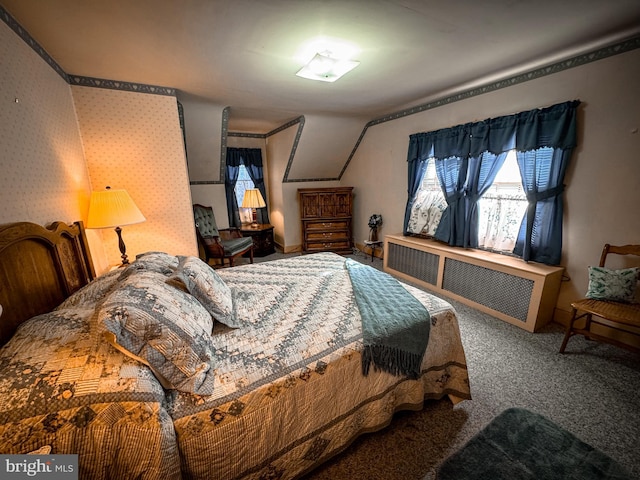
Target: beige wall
{"points": [[43, 175], [602, 181], [278, 151], [284, 210], [130, 140], [134, 141], [203, 131]]}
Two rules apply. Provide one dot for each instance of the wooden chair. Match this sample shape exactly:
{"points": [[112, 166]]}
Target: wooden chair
{"points": [[620, 316], [219, 243]]}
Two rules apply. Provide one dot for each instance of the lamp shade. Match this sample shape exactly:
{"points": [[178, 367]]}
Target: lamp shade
{"points": [[112, 208], [253, 199]]}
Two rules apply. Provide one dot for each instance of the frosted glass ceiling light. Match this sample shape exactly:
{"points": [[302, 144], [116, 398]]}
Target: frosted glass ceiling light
{"points": [[325, 68]]}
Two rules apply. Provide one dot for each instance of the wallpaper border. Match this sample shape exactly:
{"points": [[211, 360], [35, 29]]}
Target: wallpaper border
{"points": [[224, 134], [80, 80], [556, 67], [13, 24]]}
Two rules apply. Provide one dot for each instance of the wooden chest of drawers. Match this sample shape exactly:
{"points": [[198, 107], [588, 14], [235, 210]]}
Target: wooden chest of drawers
{"points": [[325, 214]]}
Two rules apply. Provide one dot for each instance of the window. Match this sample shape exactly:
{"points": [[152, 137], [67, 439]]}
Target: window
{"points": [[244, 183], [500, 210], [544, 139]]}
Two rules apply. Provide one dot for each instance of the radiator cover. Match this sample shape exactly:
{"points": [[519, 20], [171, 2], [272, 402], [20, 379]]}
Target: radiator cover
{"points": [[499, 291], [415, 263], [520, 293]]}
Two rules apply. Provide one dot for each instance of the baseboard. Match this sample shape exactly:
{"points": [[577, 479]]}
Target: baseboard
{"points": [[290, 248]]}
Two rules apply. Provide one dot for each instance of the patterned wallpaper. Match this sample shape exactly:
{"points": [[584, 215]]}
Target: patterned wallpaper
{"points": [[57, 142], [43, 173], [134, 141]]}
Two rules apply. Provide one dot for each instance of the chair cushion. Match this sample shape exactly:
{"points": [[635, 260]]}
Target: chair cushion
{"points": [[205, 221], [234, 246]]}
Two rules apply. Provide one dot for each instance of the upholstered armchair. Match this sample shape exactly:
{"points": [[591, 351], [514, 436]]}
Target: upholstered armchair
{"points": [[219, 243]]}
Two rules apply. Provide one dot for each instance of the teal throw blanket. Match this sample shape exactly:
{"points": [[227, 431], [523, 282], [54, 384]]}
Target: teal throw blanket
{"points": [[395, 325]]}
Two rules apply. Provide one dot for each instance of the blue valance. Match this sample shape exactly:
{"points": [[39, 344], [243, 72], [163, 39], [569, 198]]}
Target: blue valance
{"points": [[244, 156], [553, 127]]}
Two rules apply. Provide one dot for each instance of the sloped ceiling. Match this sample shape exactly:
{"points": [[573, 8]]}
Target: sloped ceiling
{"points": [[241, 53]]}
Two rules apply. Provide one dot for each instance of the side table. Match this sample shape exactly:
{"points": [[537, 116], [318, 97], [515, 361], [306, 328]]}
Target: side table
{"points": [[373, 245], [262, 236]]}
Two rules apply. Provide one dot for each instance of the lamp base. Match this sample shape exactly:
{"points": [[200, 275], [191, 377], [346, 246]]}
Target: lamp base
{"points": [[123, 248]]}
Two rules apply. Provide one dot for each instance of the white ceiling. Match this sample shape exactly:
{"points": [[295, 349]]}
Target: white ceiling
{"points": [[240, 53]]}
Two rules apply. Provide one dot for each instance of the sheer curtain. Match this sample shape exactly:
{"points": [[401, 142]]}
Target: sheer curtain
{"points": [[501, 217]]}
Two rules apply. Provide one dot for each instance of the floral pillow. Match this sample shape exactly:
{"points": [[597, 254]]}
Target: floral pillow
{"points": [[162, 327], [201, 281], [616, 285]]}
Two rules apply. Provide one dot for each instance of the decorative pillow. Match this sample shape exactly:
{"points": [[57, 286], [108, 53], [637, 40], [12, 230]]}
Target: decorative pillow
{"points": [[205, 284], [617, 285], [159, 262], [164, 328]]}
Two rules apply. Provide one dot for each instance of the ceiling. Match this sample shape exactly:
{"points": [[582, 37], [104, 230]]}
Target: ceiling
{"points": [[241, 53]]}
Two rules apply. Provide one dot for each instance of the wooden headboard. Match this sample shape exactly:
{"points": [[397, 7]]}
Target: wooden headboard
{"points": [[39, 268]]}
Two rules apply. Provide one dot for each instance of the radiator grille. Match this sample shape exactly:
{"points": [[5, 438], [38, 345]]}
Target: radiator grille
{"points": [[499, 291], [415, 263]]}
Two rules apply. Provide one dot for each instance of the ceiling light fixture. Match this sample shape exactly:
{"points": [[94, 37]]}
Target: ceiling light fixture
{"points": [[326, 58], [326, 68]]}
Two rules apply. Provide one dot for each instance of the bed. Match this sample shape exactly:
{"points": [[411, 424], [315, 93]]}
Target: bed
{"points": [[169, 369]]}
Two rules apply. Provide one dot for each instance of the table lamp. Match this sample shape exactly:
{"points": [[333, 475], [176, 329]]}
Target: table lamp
{"points": [[253, 199], [113, 208]]}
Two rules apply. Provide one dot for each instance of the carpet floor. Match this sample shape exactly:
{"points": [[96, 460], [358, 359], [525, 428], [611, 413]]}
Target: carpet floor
{"points": [[591, 391]]}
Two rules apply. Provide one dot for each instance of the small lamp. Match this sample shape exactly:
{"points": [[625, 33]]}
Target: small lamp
{"points": [[253, 199], [113, 208]]}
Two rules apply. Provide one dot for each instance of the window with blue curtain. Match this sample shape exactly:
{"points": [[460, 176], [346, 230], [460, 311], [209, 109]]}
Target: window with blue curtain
{"points": [[469, 157], [251, 160]]}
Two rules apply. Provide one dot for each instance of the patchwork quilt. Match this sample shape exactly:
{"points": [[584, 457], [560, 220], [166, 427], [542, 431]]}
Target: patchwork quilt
{"points": [[62, 387], [286, 389], [290, 389]]}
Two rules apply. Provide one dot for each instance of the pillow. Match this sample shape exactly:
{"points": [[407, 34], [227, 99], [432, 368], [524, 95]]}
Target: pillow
{"points": [[162, 327], [616, 285], [159, 262], [205, 284]]}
